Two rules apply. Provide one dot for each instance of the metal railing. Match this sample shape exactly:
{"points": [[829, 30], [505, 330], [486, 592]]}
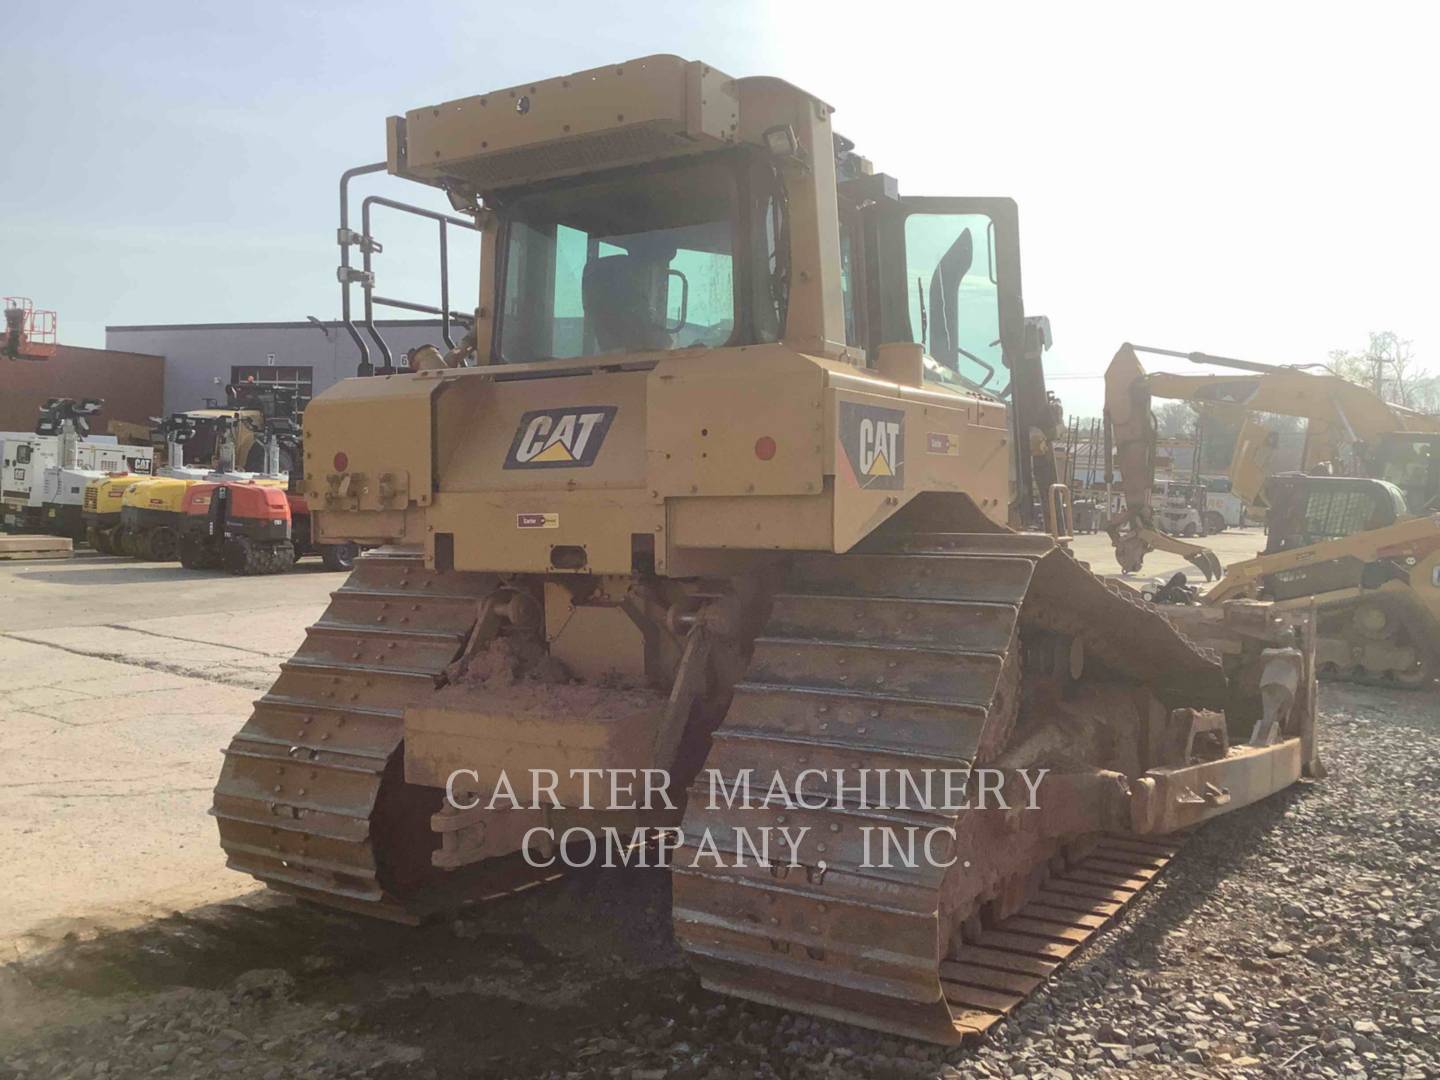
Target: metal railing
{"points": [[364, 276]]}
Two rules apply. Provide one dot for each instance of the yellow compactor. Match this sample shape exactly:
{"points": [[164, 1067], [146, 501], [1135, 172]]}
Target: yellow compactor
{"points": [[742, 471], [142, 517]]}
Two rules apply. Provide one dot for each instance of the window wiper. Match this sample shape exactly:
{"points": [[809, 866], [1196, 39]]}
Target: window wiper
{"points": [[780, 272], [924, 321]]}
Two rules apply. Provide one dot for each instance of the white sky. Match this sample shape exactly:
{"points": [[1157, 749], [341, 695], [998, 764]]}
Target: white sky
{"points": [[1250, 180], [1256, 180]]}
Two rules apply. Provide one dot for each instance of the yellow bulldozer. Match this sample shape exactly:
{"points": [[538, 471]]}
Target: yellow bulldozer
{"points": [[1360, 549], [737, 497]]}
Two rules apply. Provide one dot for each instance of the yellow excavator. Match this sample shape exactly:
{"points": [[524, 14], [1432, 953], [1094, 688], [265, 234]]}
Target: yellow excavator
{"points": [[739, 488], [1349, 431], [1361, 550]]}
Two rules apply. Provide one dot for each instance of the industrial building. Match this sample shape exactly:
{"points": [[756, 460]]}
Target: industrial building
{"points": [[129, 381], [201, 358]]}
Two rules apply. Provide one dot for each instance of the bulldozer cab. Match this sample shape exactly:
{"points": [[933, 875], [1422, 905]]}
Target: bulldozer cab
{"points": [[1306, 510], [696, 254], [700, 212]]}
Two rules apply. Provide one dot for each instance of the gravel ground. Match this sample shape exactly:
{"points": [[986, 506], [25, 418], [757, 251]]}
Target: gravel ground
{"points": [[1300, 937]]}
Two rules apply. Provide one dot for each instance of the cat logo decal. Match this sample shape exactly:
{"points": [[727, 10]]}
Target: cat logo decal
{"points": [[873, 439], [560, 438]]}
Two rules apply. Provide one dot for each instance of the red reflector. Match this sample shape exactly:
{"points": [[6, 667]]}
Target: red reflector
{"points": [[765, 448], [342, 462]]}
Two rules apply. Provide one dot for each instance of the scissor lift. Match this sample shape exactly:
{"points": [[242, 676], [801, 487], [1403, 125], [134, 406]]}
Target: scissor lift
{"points": [[29, 333]]}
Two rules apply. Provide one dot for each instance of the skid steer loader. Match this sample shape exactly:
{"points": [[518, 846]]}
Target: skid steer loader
{"points": [[741, 475], [1348, 549]]}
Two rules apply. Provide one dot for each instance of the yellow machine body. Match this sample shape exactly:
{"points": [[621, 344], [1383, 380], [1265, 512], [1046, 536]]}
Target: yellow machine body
{"points": [[676, 460], [713, 487]]}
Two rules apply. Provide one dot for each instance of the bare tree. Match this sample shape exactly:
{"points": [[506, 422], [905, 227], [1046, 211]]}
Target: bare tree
{"points": [[1174, 420], [1425, 393], [1388, 367]]}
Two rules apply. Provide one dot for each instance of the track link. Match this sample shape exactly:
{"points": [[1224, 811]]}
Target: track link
{"points": [[904, 660], [311, 798]]}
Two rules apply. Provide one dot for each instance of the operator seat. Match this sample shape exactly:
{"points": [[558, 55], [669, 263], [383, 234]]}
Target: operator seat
{"points": [[616, 293]]}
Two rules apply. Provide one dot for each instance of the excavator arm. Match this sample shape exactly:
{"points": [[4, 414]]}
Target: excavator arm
{"points": [[1132, 428], [1341, 418]]}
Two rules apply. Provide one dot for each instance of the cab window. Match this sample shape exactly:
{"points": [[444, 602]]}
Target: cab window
{"points": [[639, 262], [952, 284]]}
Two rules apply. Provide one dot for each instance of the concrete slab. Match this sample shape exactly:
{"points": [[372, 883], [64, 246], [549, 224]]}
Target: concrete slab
{"points": [[120, 683], [91, 590], [1231, 546]]}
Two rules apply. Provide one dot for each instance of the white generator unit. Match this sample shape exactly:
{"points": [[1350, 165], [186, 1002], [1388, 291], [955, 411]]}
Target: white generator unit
{"points": [[42, 492]]}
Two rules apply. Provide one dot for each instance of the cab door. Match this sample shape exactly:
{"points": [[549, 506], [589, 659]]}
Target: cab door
{"points": [[945, 272]]}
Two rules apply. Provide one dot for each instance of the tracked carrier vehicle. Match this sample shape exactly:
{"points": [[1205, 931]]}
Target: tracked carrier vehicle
{"points": [[743, 463]]}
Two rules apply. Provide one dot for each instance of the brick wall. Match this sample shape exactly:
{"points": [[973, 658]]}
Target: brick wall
{"points": [[131, 384]]}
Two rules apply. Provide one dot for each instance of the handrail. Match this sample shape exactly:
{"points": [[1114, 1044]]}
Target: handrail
{"points": [[369, 247], [344, 237], [1060, 512]]}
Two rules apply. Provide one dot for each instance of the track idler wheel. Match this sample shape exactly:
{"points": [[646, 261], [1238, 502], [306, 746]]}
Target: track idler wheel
{"points": [[243, 556], [238, 556], [198, 553], [281, 557], [161, 544], [339, 556]]}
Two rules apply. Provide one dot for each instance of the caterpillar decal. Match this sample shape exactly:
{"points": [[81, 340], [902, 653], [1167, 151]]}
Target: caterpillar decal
{"points": [[873, 439], [560, 438]]}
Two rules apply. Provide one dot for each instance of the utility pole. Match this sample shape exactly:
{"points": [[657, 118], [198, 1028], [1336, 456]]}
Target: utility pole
{"points": [[1199, 446]]}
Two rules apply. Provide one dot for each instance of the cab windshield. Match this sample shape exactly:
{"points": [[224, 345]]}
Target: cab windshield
{"points": [[642, 260]]}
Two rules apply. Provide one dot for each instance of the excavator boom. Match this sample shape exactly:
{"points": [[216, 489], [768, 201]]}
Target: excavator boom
{"points": [[1345, 424], [1132, 428]]}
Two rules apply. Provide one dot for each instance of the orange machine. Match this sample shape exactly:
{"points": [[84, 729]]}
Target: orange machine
{"points": [[29, 333], [236, 524]]}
